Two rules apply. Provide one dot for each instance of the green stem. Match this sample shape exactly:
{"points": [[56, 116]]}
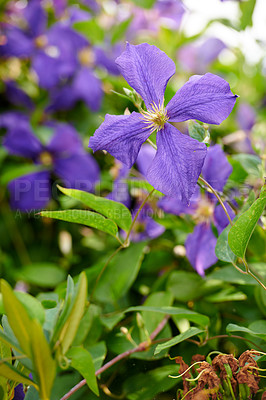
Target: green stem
{"points": [[251, 273], [123, 245], [218, 198]]}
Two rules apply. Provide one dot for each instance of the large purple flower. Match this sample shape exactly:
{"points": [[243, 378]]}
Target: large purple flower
{"points": [[200, 245], [63, 157], [179, 159]]}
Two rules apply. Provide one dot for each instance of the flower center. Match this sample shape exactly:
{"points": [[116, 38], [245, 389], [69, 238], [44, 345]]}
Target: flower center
{"points": [[41, 41], [45, 158], [86, 57], [204, 211], [155, 117]]}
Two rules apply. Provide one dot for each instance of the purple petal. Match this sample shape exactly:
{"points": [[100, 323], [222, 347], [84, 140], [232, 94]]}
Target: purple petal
{"points": [[19, 392], [65, 142], [20, 141], [122, 136], [177, 164], [200, 248], [79, 171], [220, 218], [146, 69], [106, 60], [210, 50], [207, 98], [62, 99], [216, 168], [88, 88], [171, 11], [16, 96], [145, 227], [11, 120], [145, 157], [18, 44], [30, 192], [246, 116], [35, 17], [174, 205], [47, 69]]}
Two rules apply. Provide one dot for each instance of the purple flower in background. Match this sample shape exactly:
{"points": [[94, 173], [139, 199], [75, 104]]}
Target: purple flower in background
{"points": [[200, 245], [167, 13], [179, 159], [195, 59], [246, 117], [63, 157], [145, 227], [16, 96], [19, 392]]}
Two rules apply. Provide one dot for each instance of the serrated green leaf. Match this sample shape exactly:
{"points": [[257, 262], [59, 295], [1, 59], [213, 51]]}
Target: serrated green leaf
{"points": [[113, 210], [82, 361], [45, 366], [69, 330], [18, 318], [243, 228], [192, 316], [222, 249], [178, 339], [84, 217]]}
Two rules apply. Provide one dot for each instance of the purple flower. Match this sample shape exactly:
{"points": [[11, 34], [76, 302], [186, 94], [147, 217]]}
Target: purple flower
{"points": [[246, 117], [195, 59], [179, 159], [63, 156], [19, 392], [200, 245]]}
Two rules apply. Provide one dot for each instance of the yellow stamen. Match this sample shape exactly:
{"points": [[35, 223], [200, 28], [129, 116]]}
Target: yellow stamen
{"points": [[155, 117], [46, 158]]}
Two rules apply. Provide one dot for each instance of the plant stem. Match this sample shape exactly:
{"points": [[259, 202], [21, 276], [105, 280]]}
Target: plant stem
{"points": [[218, 198], [123, 245], [141, 347], [251, 273]]}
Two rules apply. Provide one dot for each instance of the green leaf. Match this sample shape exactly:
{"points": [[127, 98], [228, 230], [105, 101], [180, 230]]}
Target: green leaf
{"points": [[91, 30], [32, 305], [16, 172], [8, 371], [84, 217], [192, 316], [241, 231], [113, 210], [98, 352], [45, 275], [250, 163], [222, 249], [230, 274], [69, 330], [120, 274], [227, 294], [247, 8], [178, 339], [45, 366], [18, 318], [144, 3], [119, 30], [5, 353], [236, 328], [146, 385], [184, 285], [198, 132], [82, 361]]}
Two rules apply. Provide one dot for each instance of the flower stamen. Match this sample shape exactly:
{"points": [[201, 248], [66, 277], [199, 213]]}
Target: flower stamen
{"points": [[155, 117]]}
